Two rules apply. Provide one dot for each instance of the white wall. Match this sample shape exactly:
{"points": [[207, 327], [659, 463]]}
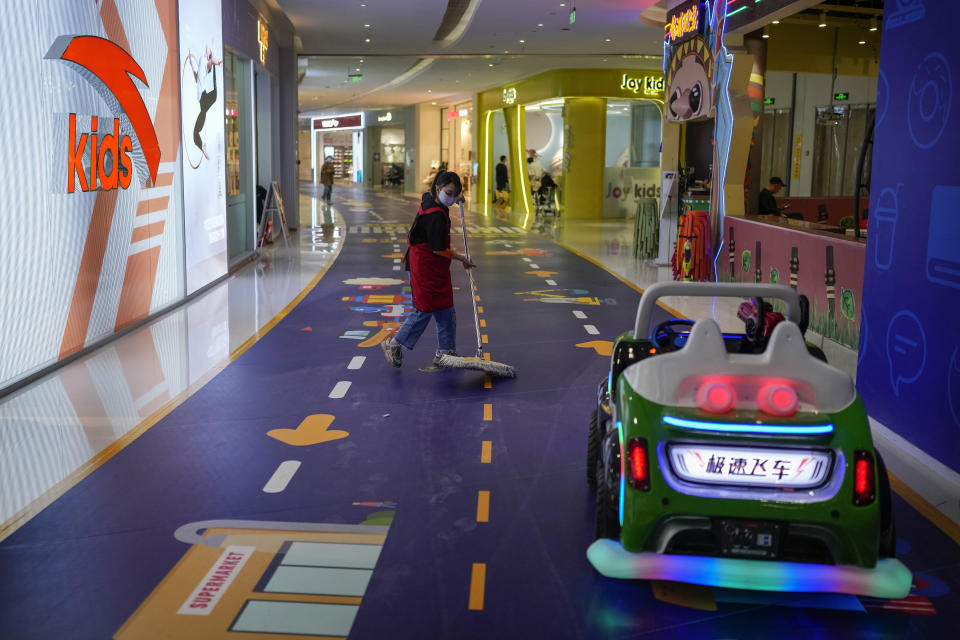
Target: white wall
{"points": [[426, 144], [813, 90]]}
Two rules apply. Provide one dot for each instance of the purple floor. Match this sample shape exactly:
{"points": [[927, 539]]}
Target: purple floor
{"points": [[82, 567]]}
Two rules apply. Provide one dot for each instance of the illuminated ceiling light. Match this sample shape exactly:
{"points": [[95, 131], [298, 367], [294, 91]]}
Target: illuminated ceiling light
{"points": [[606, 40], [765, 34], [367, 26], [434, 102], [539, 24], [873, 23], [522, 41], [366, 39], [823, 19], [490, 64], [776, 22], [563, 4], [429, 90], [861, 40], [361, 60], [363, 4]]}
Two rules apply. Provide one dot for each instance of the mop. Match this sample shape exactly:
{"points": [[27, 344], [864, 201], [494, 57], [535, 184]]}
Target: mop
{"points": [[498, 369]]}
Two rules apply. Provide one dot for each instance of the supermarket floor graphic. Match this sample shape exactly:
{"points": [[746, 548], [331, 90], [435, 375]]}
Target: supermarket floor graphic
{"points": [[310, 490]]}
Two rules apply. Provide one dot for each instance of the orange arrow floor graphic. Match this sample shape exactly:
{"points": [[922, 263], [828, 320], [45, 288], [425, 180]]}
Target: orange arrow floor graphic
{"points": [[313, 430], [541, 274], [602, 347]]}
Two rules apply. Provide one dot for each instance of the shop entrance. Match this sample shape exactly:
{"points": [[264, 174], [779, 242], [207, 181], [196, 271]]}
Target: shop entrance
{"points": [[239, 142]]}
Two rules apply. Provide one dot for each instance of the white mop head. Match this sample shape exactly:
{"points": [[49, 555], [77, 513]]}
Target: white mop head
{"points": [[487, 366]]}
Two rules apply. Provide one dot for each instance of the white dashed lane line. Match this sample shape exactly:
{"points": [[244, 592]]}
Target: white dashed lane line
{"points": [[282, 476], [580, 315], [592, 330], [534, 266], [356, 362], [552, 283], [396, 267], [527, 260], [396, 260], [340, 389]]}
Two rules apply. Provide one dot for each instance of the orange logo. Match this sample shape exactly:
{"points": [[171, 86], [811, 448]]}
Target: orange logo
{"points": [[110, 70]]}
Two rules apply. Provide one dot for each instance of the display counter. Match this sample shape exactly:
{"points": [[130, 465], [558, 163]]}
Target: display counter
{"points": [[811, 257], [829, 211]]}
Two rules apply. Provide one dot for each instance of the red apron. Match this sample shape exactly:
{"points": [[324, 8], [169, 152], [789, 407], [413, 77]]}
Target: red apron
{"points": [[429, 273]]}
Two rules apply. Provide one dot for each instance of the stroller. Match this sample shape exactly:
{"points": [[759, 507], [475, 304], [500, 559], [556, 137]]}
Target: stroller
{"points": [[544, 197]]}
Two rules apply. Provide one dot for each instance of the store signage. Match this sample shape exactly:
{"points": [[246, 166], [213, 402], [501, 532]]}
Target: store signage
{"points": [[263, 39], [684, 22], [510, 95], [112, 67], [387, 117], [650, 85], [843, 95], [348, 121], [769, 101], [453, 114]]}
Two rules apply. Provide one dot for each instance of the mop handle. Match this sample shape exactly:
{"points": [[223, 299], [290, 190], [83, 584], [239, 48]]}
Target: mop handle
{"points": [[473, 292]]}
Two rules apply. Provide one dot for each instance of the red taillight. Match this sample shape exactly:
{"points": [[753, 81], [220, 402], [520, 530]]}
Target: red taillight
{"points": [[778, 400], [716, 396], [863, 478], [637, 463]]}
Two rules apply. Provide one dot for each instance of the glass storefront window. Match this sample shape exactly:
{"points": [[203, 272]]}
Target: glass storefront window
{"points": [[840, 132]]}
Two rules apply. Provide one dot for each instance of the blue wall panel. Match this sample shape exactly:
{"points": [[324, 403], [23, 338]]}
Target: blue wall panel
{"points": [[909, 370]]}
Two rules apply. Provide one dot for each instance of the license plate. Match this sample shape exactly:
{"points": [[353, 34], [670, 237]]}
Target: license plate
{"points": [[750, 538], [750, 466]]}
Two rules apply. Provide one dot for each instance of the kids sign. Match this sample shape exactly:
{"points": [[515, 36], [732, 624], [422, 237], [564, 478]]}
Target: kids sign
{"points": [[684, 22], [650, 85]]}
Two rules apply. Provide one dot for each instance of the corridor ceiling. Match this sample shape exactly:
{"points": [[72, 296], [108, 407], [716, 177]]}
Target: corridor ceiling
{"points": [[497, 41]]}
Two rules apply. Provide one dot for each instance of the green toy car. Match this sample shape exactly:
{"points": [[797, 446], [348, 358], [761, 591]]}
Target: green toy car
{"points": [[738, 460]]}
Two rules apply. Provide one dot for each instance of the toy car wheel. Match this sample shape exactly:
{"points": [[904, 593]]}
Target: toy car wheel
{"points": [[888, 529], [607, 523], [593, 447]]}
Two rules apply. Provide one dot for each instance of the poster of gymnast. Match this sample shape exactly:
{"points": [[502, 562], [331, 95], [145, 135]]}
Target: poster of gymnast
{"points": [[203, 156]]}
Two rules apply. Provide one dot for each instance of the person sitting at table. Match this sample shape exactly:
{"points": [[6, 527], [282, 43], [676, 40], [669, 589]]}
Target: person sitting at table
{"points": [[768, 203]]}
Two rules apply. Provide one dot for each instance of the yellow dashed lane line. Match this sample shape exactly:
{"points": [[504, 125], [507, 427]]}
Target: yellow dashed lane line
{"points": [[478, 578], [486, 451], [487, 412], [483, 506]]}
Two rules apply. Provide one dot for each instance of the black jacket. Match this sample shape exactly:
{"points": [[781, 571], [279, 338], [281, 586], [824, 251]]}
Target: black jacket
{"points": [[502, 178], [768, 204]]}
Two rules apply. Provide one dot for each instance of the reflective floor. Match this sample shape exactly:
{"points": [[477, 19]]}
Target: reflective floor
{"points": [[58, 425]]}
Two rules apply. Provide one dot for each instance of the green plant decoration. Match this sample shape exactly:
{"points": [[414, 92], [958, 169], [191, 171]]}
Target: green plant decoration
{"points": [[847, 305], [745, 260]]}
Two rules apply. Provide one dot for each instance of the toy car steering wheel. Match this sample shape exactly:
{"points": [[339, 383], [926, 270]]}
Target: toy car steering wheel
{"points": [[669, 335]]}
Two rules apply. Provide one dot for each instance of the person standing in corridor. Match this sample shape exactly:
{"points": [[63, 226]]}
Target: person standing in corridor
{"points": [[326, 178], [503, 182], [428, 259]]}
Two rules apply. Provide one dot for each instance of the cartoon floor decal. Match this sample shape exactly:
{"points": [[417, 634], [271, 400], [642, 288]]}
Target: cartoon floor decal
{"points": [[602, 347], [541, 273], [313, 430], [242, 579], [564, 296]]}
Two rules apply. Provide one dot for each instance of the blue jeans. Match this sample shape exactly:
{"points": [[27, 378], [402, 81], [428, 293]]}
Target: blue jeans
{"points": [[327, 190], [416, 323]]}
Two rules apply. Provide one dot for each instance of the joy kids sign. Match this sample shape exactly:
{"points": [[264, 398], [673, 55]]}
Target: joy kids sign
{"points": [[649, 85]]}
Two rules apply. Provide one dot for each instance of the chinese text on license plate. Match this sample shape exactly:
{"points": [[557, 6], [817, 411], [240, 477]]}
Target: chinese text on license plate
{"points": [[750, 466]]}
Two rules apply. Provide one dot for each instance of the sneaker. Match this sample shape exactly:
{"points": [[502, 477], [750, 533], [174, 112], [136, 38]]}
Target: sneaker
{"points": [[441, 353], [394, 355]]}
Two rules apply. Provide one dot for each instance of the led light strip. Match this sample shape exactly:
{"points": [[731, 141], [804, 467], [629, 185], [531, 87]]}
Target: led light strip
{"points": [[734, 427]]}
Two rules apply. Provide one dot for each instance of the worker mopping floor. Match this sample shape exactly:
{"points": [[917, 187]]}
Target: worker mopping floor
{"points": [[478, 362]]}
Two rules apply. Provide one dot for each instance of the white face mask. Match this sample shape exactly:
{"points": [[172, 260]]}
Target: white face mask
{"points": [[446, 199]]}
